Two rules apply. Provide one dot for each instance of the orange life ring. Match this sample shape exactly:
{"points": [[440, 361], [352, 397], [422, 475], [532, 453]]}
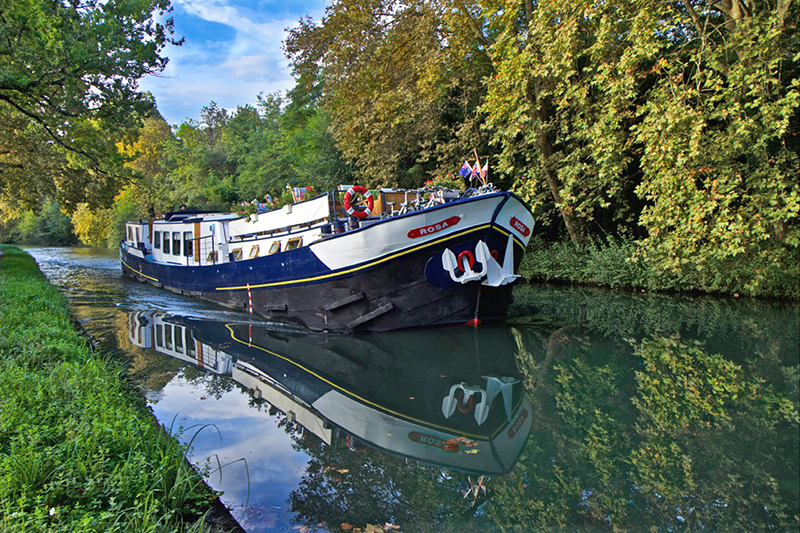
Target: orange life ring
{"points": [[352, 211]]}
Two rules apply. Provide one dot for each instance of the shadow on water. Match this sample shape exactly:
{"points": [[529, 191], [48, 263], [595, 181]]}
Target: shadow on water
{"points": [[590, 410]]}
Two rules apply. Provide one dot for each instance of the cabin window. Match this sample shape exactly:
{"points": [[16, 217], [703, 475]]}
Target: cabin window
{"points": [[212, 257], [294, 243], [237, 254], [275, 248], [254, 251], [156, 239], [188, 244], [166, 242], [159, 335], [176, 243], [138, 238], [130, 234], [189, 343], [178, 339], [168, 336]]}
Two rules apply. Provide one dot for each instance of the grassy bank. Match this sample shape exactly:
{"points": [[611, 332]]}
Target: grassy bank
{"points": [[615, 263], [79, 450]]}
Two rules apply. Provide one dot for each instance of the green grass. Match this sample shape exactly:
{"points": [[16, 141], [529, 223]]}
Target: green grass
{"points": [[79, 450], [615, 263]]}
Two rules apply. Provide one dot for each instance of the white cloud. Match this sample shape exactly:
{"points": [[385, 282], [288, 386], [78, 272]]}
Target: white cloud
{"points": [[229, 64], [257, 455]]}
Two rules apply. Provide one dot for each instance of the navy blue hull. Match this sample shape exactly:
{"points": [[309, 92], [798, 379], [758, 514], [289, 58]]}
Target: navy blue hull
{"points": [[387, 293]]}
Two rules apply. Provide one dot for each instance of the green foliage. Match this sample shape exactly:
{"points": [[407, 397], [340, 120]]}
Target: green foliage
{"points": [[151, 158], [620, 263], [47, 224], [668, 435], [401, 82], [668, 131], [68, 89], [93, 228], [677, 121], [561, 131], [78, 450], [449, 180], [126, 207], [719, 153], [231, 158]]}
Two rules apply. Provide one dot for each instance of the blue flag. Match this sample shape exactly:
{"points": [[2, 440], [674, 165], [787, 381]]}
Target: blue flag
{"points": [[465, 171]]}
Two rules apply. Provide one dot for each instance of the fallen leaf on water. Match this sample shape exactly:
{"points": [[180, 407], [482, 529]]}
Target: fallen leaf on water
{"points": [[346, 527]]}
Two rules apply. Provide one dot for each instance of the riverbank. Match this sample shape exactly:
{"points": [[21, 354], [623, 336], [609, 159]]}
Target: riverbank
{"points": [[79, 449], [616, 263]]}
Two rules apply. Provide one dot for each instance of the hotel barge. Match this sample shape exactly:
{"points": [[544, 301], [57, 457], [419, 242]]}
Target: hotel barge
{"points": [[442, 257]]}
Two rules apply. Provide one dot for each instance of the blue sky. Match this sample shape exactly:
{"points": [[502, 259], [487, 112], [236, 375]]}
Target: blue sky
{"points": [[232, 53]]}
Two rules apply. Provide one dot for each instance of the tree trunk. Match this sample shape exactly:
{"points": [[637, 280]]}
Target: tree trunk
{"points": [[545, 146]]}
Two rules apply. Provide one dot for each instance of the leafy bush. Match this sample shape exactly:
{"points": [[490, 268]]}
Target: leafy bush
{"points": [[618, 262]]}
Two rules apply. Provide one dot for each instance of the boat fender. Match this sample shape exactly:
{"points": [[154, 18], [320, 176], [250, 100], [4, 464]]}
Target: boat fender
{"points": [[352, 211]]}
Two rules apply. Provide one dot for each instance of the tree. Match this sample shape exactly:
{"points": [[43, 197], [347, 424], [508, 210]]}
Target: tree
{"points": [[93, 227], [204, 173], [68, 90], [720, 139], [150, 158], [401, 82], [557, 113], [310, 147]]}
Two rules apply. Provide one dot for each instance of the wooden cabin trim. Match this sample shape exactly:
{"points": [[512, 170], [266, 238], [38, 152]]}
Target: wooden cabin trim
{"points": [[197, 241]]}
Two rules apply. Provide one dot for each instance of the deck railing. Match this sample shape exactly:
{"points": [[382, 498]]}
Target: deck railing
{"points": [[201, 251]]}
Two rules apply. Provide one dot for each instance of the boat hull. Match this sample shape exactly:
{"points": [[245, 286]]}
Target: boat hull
{"points": [[402, 288]]}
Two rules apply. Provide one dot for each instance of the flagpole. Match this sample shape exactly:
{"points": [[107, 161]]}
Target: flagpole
{"points": [[478, 160], [478, 163]]}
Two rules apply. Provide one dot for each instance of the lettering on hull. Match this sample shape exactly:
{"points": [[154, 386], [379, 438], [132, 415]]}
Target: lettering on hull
{"points": [[518, 424], [433, 228], [520, 227], [430, 440]]}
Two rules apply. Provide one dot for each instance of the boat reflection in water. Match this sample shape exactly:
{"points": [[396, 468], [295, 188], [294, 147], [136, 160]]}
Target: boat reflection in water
{"points": [[448, 397]]}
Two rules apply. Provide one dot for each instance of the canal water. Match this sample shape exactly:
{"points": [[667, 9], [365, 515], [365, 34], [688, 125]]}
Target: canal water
{"points": [[589, 410]]}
